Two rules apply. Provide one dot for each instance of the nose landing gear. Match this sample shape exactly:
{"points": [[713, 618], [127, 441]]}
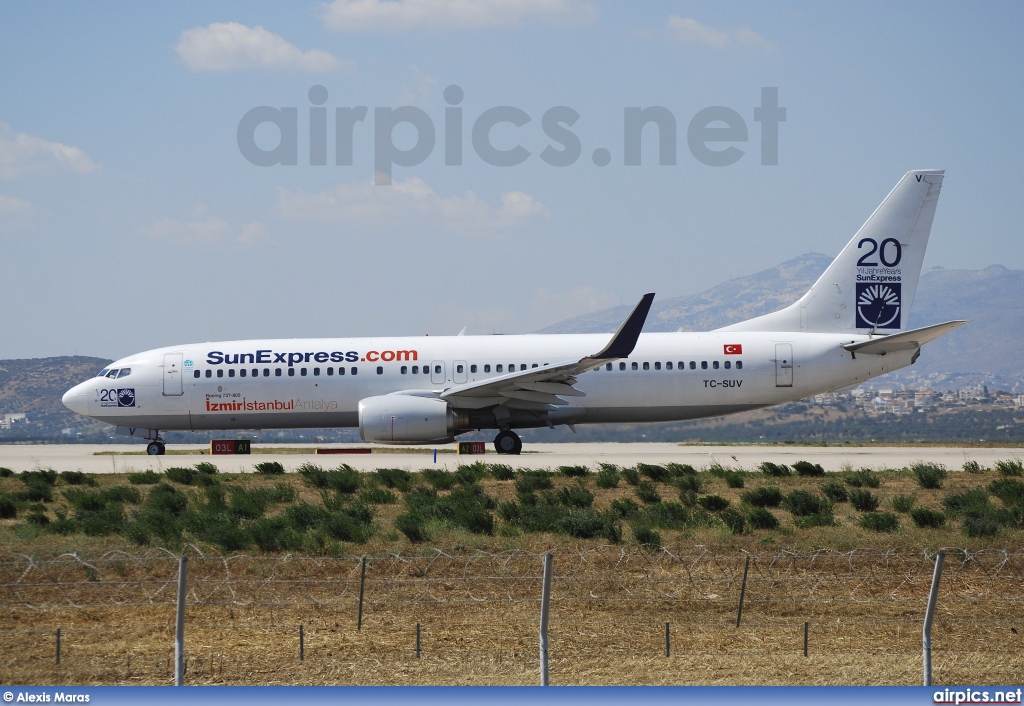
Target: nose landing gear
{"points": [[508, 442]]}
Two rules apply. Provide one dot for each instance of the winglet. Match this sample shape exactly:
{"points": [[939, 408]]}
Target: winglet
{"points": [[624, 340]]}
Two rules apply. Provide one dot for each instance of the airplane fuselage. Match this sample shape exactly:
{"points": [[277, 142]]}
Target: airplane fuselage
{"points": [[304, 383]]}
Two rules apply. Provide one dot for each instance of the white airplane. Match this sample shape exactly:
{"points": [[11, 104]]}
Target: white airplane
{"points": [[849, 327]]}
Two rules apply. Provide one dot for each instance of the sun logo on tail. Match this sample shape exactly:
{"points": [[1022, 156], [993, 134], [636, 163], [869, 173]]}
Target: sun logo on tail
{"points": [[878, 306]]}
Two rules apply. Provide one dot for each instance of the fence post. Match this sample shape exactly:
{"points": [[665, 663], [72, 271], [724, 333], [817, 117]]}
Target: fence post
{"points": [[179, 631], [545, 605], [417, 640], [668, 642], [362, 587], [929, 615], [302, 643], [58, 645], [743, 591], [806, 628]]}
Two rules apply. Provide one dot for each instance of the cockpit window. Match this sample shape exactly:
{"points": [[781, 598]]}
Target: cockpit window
{"points": [[103, 373], [124, 372], [112, 374]]}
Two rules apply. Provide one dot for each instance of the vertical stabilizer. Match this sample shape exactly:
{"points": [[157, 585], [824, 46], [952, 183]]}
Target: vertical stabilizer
{"points": [[870, 286]]}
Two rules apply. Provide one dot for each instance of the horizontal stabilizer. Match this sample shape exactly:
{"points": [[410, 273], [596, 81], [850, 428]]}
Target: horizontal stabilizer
{"points": [[906, 341]]}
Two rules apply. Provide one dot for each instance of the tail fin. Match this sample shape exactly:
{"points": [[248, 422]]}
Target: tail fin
{"points": [[870, 286]]}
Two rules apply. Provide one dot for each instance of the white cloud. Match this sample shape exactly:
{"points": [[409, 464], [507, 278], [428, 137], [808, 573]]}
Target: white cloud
{"points": [[205, 230], [687, 29], [22, 154], [409, 203], [230, 46], [13, 206], [452, 14]]}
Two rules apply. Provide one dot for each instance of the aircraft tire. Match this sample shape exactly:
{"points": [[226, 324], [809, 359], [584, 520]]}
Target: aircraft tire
{"points": [[508, 442], [155, 448]]}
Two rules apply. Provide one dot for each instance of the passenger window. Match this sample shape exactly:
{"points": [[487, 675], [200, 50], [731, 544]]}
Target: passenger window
{"points": [[405, 369], [728, 364], [291, 372], [739, 364], [255, 372], [341, 371], [668, 365], [277, 372], [231, 373], [437, 369], [608, 366], [657, 366], [220, 372], [316, 372], [196, 374], [522, 366], [499, 368], [355, 370], [302, 372], [647, 366], [693, 365], [380, 370], [634, 366], [415, 370], [266, 372], [703, 365], [241, 373], [330, 372], [426, 370], [487, 368], [622, 366], [209, 373], [535, 365], [714, 365], [472, 368], [459, 368]]}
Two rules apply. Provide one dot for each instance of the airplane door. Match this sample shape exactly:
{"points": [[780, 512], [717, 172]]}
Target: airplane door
{"points": [[172, 374], [460, 372], [783, 365], [437, 375]]}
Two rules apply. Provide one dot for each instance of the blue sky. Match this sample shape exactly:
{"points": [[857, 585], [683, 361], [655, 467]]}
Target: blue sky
{"points": [[130, 218]]}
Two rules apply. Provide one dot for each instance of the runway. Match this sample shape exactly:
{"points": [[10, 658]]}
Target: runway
{"points": [[116, 458]]}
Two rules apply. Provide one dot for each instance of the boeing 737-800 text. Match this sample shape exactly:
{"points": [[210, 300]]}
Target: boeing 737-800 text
{"points": [[849, 327]]}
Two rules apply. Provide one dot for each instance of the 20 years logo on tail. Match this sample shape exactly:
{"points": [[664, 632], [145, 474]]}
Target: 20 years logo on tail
{"points": [[879, 291], [878, 305]]}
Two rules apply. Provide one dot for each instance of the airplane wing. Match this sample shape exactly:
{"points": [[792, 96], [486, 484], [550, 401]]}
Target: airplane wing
{"points": [[543, 387], [906, 341]]}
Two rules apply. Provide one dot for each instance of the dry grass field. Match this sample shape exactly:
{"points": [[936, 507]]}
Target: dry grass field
{"points": [[476, 598]]}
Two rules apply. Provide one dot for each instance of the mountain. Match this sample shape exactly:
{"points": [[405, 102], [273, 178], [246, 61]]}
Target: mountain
{"points": [[35, 386], [983, 352]]}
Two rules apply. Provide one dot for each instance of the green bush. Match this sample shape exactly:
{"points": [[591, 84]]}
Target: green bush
{"points": [[145, 478], [973, 467], [734, 520], [84, 500], [272, 534], [644, 535], [817, 519], [77, 478], [8, 509], [45, 475], [864, 500], [249, 504], [575, 497], [303, 516], [667, 516], [762, 518], [631, 475], [532, 480], [903, 503], [36, 490], [1010, 491], [713, 503], [776, 470], [863, 478], [344, 479], [979, 526], [165, 498], [99, 523], [763, 497], [970, 501], [880, 522], [270, 468], [396, 478], [413, 525], [6, 472], [677, 470], [658, 474], [378, 496], [734, 479], [583, 523], [806, 468], [925, 517], [929, 475], [38, 519], [502, 471], [608, 476], [647, 493], [625, 507], [121, 494], [473, 472], [835, 491], [184, 476], [440, 480], [1011, 467], [574, 471], [689, 483], [206, 467], [802, 503], [611, 530]]}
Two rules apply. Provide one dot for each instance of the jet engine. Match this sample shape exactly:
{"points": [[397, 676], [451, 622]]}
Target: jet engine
{"points": [[391, 419]]}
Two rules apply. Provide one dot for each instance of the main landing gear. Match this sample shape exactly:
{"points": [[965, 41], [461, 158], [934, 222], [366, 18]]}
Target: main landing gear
{"points": [[508, 442], [156, 448]]}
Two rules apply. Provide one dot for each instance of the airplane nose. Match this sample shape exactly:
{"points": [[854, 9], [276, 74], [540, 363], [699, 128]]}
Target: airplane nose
{"points": [[77, 399]]}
